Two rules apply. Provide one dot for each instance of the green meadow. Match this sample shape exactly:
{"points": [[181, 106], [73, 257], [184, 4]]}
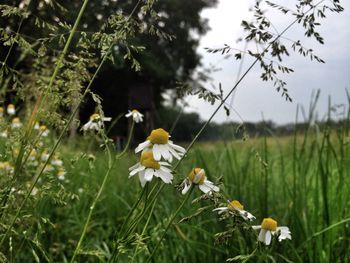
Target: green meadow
{"points": [[302, 181]]}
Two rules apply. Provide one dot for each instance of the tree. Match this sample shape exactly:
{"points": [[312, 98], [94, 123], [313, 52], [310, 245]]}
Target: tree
{"points": [[166, 54]]}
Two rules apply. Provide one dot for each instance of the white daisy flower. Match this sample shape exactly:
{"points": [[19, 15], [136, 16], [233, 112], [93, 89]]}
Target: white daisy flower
{"points": [[197, 177], [95, 122], [16, 123], [6, 167], [235, 206], [57, 162], [1, 112], [136, 116], [44, 131], [268, 228], [45, 156], [32, 155], [149, 167], [3, 134], [158, 142], [61, 174], [37, 126], [48, 168], [11, 109]]}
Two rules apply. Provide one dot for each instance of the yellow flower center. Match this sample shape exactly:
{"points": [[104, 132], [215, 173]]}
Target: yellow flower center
{"points": [[159, 136], [1, 109], [235, 205], [42, 127], [197, 176], [61, 172], [11, 106], [5, 165], [16, 120], [135, 111], [95, 116], [148, 161], [269, 224]]}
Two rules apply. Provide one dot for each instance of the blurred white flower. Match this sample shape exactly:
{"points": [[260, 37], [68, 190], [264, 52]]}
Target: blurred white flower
{"points": [[48, 168], [45, 156], [149, 167], [3, 134], [136, 116], [37, 126], [95, 122], [11, 109], [6, 167], [32, 155], [268, 228], [57, 162], [61, 174], [44, 131], [16, 123], [197, 177], [158, 142], [235, 205], [34, 191]]}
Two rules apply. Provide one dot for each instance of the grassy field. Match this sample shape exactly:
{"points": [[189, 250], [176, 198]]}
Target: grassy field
{"points": [[302, 181]]}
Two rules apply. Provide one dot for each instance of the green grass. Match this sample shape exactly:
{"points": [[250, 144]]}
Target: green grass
{"points": [[303, 181]]}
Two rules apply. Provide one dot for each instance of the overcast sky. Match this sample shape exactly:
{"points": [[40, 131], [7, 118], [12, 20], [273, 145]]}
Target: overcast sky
{"points": [[255, 98]]}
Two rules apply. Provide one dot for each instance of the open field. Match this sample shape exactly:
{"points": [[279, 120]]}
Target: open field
{"points": [[302, 182]]}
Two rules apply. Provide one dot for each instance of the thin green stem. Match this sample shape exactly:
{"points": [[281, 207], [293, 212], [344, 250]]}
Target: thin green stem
{"points": [[134, 223], [132, 209], [169, 224], [144, 230], [138, 219], [128, 142], [326, 229], [91, 209]]}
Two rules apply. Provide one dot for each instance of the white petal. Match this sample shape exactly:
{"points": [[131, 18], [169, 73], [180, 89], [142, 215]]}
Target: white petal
{"points": [[142, 179], [137, 119], [186, 186], [265, 236], [268, 237], [208, 186], [165, 169], [256, 227], [156, 152], [176, 147], [220, 210], [134, 166], [142, 146], [284, 233], [149, 174], [164, 164], [205, 189], [128, 114], [139, 169], [262, 235], [174, 153], [245, 214], [165, 152], [166, 177]]}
